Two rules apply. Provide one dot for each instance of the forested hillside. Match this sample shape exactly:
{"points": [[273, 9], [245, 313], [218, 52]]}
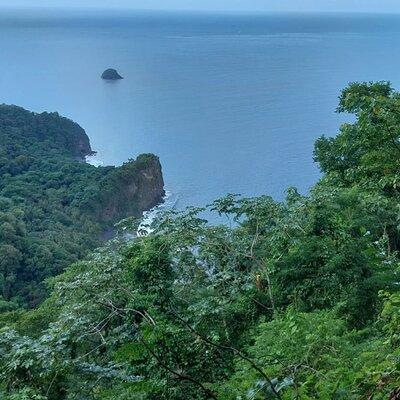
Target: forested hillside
{"points": [[53, 206], [290, 300]]}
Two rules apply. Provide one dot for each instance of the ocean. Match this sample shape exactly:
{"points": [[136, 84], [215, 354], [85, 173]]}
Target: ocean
{"points": [[230, 103]]}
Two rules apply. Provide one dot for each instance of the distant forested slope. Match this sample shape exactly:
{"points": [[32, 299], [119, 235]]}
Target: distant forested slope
{"points": [[53, 206]]}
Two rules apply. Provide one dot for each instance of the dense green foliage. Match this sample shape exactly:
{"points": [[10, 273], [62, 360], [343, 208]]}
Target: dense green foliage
{"points": [[290, 300], [50, 201]]}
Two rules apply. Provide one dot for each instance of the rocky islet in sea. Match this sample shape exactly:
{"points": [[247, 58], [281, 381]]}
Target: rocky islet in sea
{"points": [[111, 74]]}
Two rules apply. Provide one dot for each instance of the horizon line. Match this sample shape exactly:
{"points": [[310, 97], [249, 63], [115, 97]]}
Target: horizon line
{"points": [[186, 10]]}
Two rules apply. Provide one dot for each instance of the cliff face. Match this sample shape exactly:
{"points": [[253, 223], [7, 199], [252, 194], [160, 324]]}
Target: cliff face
{"points": [[129, 190]]}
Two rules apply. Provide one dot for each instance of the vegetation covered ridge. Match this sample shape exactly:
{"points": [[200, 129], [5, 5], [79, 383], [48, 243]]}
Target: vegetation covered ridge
{"points": [[297, 300], [53, 206]]}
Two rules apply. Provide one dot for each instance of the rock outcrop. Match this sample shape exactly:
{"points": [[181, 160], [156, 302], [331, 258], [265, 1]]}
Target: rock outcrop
{"points": [[111, 75], [129, 190]]}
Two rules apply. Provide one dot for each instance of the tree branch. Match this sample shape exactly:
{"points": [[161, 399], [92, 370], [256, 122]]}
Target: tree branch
{"points": [[207, 392], [233, 349]]}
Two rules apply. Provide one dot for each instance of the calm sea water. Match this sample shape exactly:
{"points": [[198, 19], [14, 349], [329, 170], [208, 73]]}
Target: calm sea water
{"points": [[230, 103]]}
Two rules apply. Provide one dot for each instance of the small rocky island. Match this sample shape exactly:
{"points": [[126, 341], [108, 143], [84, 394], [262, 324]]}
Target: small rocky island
{"points": [[111, 75]]}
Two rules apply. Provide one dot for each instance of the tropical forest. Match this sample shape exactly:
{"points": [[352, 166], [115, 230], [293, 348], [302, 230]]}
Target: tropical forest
{"points": [[293, 299]]}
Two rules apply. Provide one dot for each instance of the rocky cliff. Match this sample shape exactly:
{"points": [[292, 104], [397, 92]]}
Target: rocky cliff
{"points": [[129, 190]]}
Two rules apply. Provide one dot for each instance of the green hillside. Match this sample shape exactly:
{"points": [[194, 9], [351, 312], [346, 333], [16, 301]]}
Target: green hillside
{"points": [[53, 206]]}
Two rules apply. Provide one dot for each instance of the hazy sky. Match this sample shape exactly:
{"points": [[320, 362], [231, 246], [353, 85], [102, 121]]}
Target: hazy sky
{"points": [[220, 5]]}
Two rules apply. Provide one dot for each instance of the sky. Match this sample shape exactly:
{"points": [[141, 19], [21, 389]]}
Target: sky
{"points": [[221, 5]]}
